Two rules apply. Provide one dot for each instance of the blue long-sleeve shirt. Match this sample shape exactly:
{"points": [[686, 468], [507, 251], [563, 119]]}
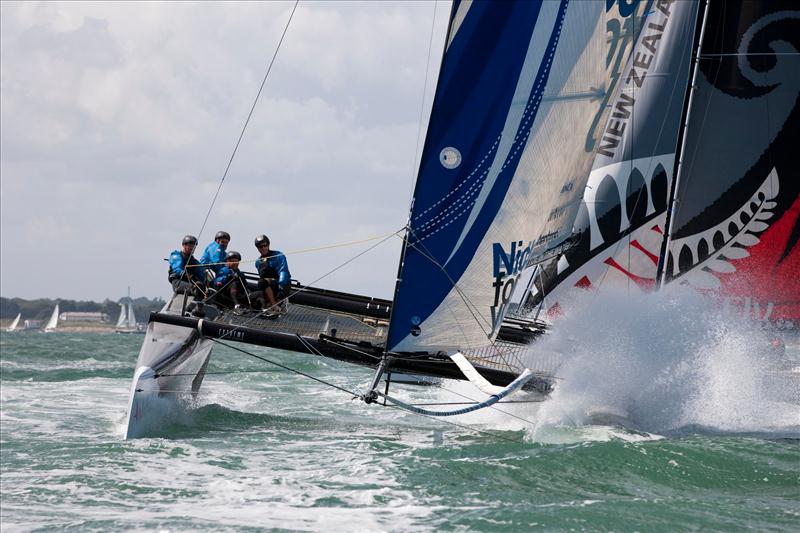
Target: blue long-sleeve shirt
{"points": [[214, 256], [275, 267], [178, 263], [226, 274]]}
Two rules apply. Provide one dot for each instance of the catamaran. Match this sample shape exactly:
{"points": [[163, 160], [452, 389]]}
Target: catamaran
{"points": [[52, 324], [14, 323], [569, 144]]}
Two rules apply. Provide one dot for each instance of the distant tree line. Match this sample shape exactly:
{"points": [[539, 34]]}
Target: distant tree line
{"points": [[42, 308]]}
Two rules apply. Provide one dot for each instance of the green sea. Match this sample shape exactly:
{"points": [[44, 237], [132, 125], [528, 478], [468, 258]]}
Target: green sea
{"points": [[265, 449]]}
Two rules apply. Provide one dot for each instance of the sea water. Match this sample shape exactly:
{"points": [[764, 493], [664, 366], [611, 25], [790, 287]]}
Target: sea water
{"points": [[672, 422]]}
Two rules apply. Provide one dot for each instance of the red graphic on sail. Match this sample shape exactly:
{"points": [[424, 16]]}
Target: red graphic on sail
{"points": [[770, 276]]}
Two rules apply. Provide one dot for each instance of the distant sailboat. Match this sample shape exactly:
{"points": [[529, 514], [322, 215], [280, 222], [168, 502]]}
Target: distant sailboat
{"points": [[15, 323], [123, 317], [126, 323], [53, 322]]}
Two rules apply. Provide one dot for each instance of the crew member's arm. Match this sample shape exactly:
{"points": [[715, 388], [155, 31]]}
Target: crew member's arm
{"points": [[284, 277], [176, 263]]}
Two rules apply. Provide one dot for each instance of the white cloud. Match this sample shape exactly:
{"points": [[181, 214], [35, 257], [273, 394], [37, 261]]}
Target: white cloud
{"points": [[117, 121]]}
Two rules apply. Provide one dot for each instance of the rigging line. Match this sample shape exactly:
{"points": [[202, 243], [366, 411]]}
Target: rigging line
{"points": [[261, 371], [311, 348], [285, 367], [313, 351], [472, 308], [246, 122], [315, 249], [422, 103], [351, 393]]}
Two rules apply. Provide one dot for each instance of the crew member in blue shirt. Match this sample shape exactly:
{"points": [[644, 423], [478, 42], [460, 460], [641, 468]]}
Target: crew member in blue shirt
{"points": [[273, 273], [214, 254], [185, 273], [231, 283]]}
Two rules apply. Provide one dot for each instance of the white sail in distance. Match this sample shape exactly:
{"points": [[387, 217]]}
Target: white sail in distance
{"points": [[15, 323], [131, 323], [53, 322], [123, 317]]}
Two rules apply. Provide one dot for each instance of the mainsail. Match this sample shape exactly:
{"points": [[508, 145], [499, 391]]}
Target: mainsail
{"points": [[131, 320], [503, 163], [622, 217], [53, 322], [123, 319], [14, 323], [736, 225]]}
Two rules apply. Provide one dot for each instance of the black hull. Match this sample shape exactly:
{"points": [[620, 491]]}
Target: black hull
{"points": [[364, 354]]}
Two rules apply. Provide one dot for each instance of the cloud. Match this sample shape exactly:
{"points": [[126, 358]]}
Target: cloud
{"points": [[117, 121]]}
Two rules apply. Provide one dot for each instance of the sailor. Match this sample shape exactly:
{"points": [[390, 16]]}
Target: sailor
{"points": [[185, 273], [231, 283], [214, 254], [273, 273]]}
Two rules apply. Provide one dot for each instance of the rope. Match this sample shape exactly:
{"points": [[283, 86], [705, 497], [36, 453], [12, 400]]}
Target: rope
{"points": [[246, 122], [422, 103], [306, 250], [462, 426], [295, 371]]}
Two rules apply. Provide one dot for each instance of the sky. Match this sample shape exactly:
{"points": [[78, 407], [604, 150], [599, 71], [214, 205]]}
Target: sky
{"points": [[117, 121]]}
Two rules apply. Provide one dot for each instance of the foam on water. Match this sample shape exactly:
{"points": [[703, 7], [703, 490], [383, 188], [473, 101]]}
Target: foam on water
{"points": [[639, 366], [662, 362]]}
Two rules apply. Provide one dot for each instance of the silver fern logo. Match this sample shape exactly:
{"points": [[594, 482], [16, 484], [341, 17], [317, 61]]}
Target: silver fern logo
{"points": [[711, 252]]}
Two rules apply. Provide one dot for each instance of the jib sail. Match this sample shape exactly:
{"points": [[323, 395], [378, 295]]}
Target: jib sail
{"points": [[621, 223]]}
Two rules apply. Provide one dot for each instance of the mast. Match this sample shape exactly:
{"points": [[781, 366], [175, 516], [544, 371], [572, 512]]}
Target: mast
{"points": [[670, 221]]}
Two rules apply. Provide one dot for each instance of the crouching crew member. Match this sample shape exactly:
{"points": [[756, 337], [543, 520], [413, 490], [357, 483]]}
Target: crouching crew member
{"points": [[214, 254], [273, 273], [230, 283], [185, 272]]}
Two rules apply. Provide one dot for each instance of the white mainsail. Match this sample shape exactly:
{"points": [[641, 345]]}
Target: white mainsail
{"points": [[15, 323], [503, 166], [131, 322], [53, 322], [123, 317]]}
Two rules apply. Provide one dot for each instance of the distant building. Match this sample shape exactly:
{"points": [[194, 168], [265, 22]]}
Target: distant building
{"points": [[33, 324], [74, 316]]}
